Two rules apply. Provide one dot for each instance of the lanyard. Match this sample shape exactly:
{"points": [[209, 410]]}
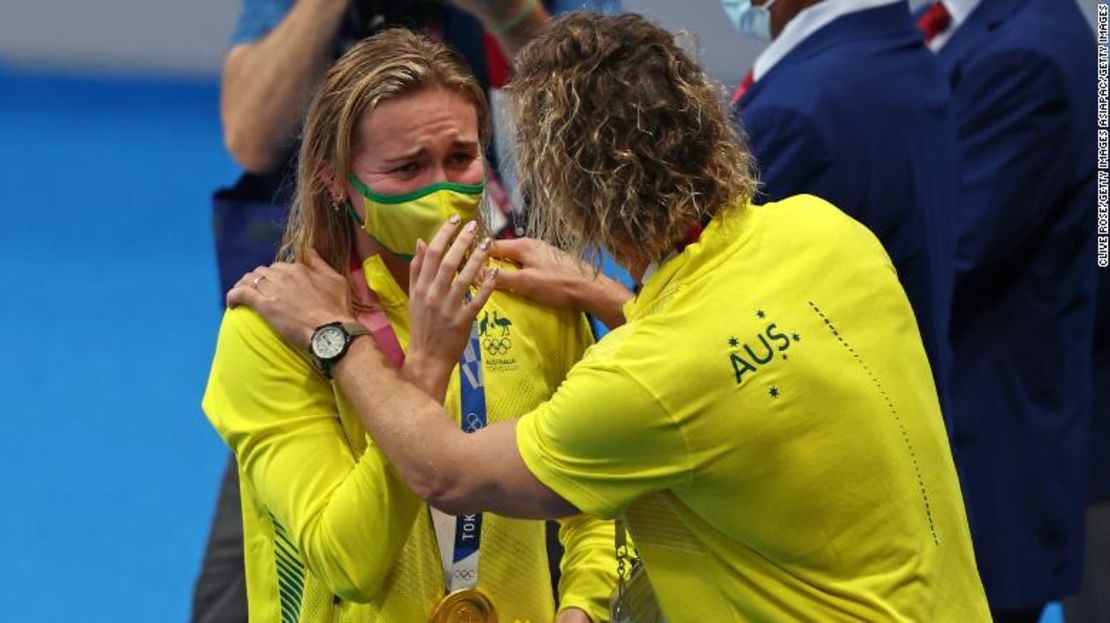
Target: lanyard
{"points": [[458, 537], [373, 318]]}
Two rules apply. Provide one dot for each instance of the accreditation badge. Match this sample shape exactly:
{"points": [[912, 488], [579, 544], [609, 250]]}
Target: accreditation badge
{"points": [[468, 605], [634, 600]]}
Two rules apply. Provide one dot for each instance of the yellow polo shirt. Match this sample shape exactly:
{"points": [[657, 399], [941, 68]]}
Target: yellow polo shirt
{"points": [[331, 532], [767, 424]]}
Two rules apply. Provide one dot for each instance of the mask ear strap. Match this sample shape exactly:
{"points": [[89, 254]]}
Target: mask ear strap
{"points": [[351, 211], [360, 187]]}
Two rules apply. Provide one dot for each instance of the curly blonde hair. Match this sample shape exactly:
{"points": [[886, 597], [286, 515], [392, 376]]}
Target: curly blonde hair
{"points": [[391, 64], [623, 141]]}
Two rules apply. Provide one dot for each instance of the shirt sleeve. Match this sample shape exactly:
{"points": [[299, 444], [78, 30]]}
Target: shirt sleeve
{"points": [[603, 441], [257, 18], [588, 570], [578, 339], [349, 516]]}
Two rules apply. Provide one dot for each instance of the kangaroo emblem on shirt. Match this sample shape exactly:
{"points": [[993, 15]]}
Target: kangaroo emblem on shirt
{"points": [[483, 324], [493, 342]]}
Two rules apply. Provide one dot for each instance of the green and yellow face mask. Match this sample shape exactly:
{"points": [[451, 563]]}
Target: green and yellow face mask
{"points": [[396, 221]]}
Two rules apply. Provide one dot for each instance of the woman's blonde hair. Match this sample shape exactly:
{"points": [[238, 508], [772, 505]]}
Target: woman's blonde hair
{"points": [[391, 64], [623, 142]]}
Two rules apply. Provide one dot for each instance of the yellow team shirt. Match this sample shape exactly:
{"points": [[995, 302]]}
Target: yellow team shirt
{"points": [[332, 533], [767, 424]]}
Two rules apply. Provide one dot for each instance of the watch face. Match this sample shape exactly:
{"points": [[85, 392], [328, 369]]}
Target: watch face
{"points": [[328, 342]]}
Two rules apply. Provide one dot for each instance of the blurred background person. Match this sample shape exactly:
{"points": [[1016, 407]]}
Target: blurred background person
{"points": [[1092, 603], [1022, 74], [846, 104]]}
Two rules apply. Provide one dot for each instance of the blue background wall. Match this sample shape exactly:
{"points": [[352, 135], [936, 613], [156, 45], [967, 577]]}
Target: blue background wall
{"points": [[109, 303]]}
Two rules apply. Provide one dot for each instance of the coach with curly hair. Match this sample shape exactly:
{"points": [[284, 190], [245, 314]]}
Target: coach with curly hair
{"points": [[764, 419]]}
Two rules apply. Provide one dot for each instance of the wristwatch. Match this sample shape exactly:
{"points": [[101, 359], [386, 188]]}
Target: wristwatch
{"points": [[330, 342]]}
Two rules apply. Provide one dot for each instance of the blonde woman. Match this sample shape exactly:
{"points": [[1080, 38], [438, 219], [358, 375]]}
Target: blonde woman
{"points": [[392, 149]]}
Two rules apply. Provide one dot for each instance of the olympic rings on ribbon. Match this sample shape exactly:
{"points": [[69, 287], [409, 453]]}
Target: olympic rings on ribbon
{"points": [[473, 423]]}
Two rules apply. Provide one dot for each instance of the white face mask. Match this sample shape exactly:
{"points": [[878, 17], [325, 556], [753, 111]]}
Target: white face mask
{"points": [[753, 21]]}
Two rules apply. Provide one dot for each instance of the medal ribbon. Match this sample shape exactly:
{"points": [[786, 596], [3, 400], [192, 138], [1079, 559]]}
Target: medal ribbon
{"points": [[460, 536]]}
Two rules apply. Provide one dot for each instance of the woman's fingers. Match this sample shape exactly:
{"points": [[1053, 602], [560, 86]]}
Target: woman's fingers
{"points": [[243, 281], [416, 263], [453, 259], [243, 294], [248, 281], [478, 301], [512, 280], [470, 271], [259, 277], [518, 250], [435, 252]]}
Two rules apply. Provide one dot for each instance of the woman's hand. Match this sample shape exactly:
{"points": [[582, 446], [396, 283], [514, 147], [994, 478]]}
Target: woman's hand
{"points": [[547, 275], [295, 298], [555, 279], [573, 615], [441, 309]]}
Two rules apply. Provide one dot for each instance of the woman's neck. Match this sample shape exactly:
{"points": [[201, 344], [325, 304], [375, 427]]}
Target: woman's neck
{"points": [[365, 246]]}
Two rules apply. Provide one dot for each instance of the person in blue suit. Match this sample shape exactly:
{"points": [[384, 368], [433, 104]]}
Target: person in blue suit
{"points": [[1023, 80], [1091, 604], [846, 104]]}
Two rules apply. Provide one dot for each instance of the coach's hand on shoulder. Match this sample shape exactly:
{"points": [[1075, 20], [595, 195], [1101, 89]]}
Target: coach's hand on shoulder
{"points": [[547, 275], [295, 298], [555, 279]]}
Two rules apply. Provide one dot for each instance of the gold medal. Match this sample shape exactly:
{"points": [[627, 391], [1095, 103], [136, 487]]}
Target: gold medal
{"points": [[468, 605]]}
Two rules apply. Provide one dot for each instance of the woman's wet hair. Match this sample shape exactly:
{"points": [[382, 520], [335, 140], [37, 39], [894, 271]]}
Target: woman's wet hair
{"points": [[391, 64]]}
